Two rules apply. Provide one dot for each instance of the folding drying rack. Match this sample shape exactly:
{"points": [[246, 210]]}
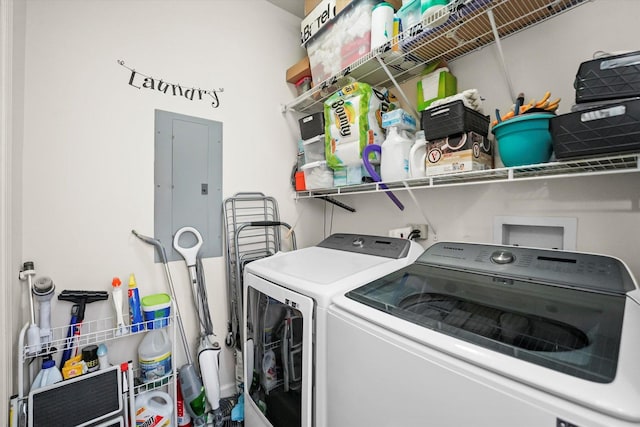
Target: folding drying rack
{"points": [[252, 224]]}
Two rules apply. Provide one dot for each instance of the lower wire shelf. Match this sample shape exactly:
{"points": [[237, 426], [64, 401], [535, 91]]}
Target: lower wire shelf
{"points": [[628, 163]]}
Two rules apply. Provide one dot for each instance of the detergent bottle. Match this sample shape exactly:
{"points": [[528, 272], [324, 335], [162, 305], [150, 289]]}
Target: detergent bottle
{"points": [[394, 162], [418, 157], [154, 409], [49, 374]]}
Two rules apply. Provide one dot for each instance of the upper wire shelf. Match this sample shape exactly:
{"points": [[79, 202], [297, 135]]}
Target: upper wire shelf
{"points": [[467, 29], [573, 168]]}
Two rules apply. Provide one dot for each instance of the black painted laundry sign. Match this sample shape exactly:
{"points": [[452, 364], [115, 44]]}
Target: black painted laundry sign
{"points": [[142, 81]]}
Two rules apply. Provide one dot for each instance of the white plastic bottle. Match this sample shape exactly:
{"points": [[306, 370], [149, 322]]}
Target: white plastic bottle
{"points": [[418, 157], [154, 409], [49, 374], [154, 355], [394, 162]]}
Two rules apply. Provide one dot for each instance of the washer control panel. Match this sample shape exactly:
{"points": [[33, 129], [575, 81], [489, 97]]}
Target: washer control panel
{"points": [[580, 270]]}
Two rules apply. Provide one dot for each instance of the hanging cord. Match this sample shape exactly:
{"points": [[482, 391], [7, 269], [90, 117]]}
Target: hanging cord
{"points": [[203, 302], [424, 216]]}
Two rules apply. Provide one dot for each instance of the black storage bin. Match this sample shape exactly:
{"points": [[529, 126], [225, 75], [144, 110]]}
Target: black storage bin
{"points": [[613, 128], [451, 119], [610, 77], [311, 125]]}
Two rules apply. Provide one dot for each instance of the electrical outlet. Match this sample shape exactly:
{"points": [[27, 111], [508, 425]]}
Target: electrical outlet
{"points": [[422, 229], [400, 233]]}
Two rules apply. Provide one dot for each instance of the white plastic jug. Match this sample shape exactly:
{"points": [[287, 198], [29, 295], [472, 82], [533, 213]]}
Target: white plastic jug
{"points": [[418, 157], [154, 355], [394, 162], [154, 409]]}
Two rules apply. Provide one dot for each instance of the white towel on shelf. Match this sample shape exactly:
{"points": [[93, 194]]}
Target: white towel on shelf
{"points": [[470, 98]]}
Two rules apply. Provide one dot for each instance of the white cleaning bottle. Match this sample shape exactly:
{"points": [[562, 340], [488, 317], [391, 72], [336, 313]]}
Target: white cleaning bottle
{"points": [[116, 294], [394, 162], [49, 374]]}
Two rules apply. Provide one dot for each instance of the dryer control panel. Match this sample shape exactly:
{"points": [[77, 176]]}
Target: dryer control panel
{"points": [[388, 247]]}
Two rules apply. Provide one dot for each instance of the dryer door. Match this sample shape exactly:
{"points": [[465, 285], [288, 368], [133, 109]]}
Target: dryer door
{"points": [[278, 355]]}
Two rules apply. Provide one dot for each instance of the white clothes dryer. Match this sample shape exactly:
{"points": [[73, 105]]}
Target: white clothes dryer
{"points": [[481, 335], [285, 302]]}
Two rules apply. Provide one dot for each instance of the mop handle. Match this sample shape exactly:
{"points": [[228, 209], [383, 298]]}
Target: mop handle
{"points": [[163, 258], [190, 255]]}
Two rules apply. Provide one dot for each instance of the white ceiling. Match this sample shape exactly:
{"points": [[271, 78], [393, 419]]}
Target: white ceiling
{"points": [[295, 7]]}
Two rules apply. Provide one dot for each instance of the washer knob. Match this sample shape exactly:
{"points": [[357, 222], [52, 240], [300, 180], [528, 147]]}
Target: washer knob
{"points": [[502, 257], [358, 242]]}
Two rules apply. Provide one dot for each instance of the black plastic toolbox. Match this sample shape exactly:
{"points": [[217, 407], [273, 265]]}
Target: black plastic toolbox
{"points": [[612, 128], [610, 77], [451, 119]]}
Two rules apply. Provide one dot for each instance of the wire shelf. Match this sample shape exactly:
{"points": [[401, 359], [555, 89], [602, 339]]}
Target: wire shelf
{"points": [[91, 332], [467, 29], [583, 167]]}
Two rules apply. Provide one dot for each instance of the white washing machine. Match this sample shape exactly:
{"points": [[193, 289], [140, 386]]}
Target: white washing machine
{"points": [[285, 301], [481, 335]]}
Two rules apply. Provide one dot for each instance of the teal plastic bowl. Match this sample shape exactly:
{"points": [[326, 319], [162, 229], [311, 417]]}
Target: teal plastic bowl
{"points": [[525, 139]]}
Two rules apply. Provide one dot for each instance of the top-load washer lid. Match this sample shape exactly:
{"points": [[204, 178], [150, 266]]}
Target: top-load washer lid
{"points": [[534, 305], [340, 262]]}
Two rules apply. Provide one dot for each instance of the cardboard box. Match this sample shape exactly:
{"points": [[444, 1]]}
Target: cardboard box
{"points": [[309, 5], [299, 70], [458, 153]]}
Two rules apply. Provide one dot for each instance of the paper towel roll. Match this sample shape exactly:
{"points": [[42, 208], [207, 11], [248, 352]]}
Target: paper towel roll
{"points": [[381, 24]]}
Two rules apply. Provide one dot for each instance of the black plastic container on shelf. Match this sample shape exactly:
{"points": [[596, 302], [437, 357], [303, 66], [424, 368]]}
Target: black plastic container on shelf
{"points": [[612, 128], [311, 125], [609, 77], [451, 119]]}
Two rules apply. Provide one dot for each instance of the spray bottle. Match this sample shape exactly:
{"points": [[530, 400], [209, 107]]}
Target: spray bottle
{"points": [[116, 293], [135, 309]]}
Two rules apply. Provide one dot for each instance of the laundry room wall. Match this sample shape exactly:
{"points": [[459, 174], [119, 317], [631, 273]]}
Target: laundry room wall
{"points": [[542, 58], [88, 166]]}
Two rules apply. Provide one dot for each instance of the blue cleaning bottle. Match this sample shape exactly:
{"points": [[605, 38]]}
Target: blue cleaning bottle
{"points": [[135, 309]]}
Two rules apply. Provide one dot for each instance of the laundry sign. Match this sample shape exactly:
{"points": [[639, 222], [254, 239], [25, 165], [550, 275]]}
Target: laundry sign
{"points": [[143, 81]]}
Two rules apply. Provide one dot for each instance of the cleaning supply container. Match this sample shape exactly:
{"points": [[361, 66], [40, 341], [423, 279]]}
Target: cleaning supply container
{"points": [[49, 374], [135, 311], [381, 24], [154, 409], [156, 309], [154, 355], [394, 162]]}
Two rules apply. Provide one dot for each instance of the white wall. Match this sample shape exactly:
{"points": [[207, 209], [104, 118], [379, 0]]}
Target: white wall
{"points": [[89, 136], [544, 57]]}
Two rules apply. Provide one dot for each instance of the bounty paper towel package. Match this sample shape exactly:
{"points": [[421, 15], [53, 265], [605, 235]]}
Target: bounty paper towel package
{"points": [[352, 118]]}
